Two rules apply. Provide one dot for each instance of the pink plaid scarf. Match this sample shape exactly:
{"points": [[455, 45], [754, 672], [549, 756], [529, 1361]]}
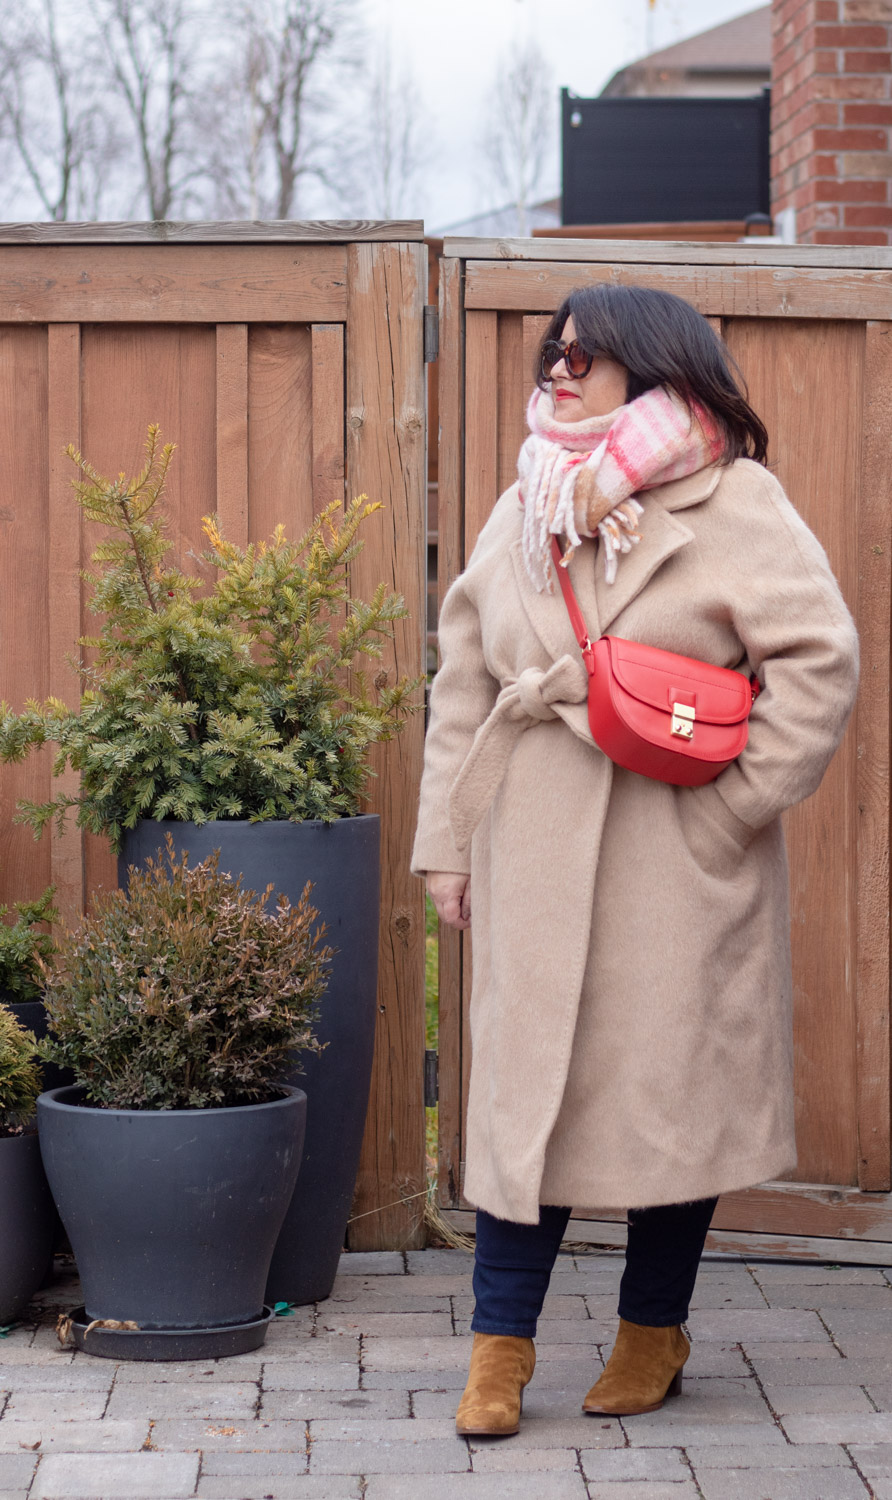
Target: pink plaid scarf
{"points": [[580, 478]]}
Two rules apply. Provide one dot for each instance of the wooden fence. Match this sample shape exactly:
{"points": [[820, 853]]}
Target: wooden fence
{"points": [[286, 361], [812, 332]]}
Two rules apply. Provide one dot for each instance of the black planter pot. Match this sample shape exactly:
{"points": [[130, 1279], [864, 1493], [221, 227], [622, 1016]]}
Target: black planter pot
{"points": [[342, 861], [27, 1223], [173, 1214], [32, 1013]]}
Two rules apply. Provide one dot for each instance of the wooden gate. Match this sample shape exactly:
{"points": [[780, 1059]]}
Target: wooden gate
{"points": [[262, 351], [812, 332]]}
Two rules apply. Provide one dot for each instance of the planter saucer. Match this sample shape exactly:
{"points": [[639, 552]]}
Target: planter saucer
{"points": [[169, 1343]]}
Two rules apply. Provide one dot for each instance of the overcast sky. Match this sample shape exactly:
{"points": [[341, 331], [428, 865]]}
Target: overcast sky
{"points": [[453, 49]]}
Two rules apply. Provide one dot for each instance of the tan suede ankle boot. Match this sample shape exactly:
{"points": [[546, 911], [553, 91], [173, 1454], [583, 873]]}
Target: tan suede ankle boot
{"points": [[500, 1368], [644, 1368]]}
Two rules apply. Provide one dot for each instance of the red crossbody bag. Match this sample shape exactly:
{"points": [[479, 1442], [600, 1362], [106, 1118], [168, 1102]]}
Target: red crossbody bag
{"points": [[669, 717]]}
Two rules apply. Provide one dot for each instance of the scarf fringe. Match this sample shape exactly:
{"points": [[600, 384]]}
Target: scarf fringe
{"points": [[652, 440]]}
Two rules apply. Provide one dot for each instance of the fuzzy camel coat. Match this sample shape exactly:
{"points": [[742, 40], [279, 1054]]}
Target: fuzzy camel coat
{"points": [[631, 1007]]}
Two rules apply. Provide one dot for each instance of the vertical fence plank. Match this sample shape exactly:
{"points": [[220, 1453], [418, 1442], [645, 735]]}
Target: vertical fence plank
{"points": [[232, 431], [280, 429], [515, 385], [534, 326], [25, 866], [64, 523], [386, 460], [451, 468], [450, 560], [872, 739], [481, 426], [795, 371], [328, 414]]}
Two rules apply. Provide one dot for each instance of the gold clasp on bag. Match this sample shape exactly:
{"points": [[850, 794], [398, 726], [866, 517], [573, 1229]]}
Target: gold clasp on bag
{"points": [[683, 721]]}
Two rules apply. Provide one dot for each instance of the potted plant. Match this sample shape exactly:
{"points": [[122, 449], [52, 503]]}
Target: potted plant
{"points": [[24, 948], [179, 1005], [231, 712], [27, 1216], [25, 951]]}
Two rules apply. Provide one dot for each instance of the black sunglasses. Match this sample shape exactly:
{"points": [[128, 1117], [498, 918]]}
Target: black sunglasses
{"points": [[577, 360]]}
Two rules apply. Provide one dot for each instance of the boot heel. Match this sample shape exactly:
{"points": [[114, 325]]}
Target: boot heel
{"points": [[675, 1387]]}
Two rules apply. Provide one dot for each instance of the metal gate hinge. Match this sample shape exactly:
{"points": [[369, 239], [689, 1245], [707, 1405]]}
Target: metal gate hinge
{"points": [[431, 334], [431, 1079]]}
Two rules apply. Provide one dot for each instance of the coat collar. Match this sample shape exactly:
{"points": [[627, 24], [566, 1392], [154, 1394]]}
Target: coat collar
{"points": [[601, 602], [547, 613], [681, 493], [661, 536]]}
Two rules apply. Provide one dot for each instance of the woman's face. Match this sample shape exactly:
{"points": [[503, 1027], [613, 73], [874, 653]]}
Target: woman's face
{"points": [[599, 392]]}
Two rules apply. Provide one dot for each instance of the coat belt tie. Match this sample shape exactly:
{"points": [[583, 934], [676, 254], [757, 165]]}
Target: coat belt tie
{"points": [[533, 697]]}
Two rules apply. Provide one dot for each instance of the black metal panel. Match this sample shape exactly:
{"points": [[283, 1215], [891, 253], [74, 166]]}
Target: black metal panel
{"points": [[642, 161]]}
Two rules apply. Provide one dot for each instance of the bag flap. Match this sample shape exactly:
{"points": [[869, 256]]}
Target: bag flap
{"points": [[660, 678]]}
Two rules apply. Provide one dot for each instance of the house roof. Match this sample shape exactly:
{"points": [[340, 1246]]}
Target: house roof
{"points": [[739, 46], [499, 222]]}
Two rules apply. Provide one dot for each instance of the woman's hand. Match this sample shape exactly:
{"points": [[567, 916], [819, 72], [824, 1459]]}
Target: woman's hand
{"points": [[451, 895]]}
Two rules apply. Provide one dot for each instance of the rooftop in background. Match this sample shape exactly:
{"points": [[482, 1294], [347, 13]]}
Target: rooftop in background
{"points": [[496, 223], [729, 60]]}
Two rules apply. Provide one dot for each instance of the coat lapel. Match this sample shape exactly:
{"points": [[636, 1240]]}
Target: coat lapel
{"points": [[547, 613], [661, 536], [601, 602], [681, 493]]}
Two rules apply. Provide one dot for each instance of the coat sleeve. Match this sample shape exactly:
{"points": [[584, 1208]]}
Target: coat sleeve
{"points": [[801, 642], [462, 698]]}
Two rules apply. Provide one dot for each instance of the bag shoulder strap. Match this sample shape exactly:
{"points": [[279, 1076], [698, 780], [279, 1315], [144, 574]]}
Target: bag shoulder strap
{"points": [[577, 619]]}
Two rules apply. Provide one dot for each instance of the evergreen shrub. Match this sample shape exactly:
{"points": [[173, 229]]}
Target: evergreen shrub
{"points": [[236, 695], [24, 949], [19, 1074], [186, 992]]}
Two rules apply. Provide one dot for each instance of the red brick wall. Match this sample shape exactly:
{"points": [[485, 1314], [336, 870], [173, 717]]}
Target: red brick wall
{"points": [[831, 117]]}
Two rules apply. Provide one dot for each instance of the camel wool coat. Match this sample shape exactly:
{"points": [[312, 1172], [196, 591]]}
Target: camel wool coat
{"points": [[631, 1006]]}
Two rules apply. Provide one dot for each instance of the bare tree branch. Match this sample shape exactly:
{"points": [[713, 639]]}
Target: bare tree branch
{"points": [[271, 106], [394, 145], [521, 129], [145, 107], [151, 57], [48, 114]]}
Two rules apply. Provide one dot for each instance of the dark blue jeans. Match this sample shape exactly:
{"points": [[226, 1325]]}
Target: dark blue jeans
{"points": [[513, 1265]]}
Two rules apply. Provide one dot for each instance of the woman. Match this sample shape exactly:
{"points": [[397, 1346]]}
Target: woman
{"points": [[631, 1009]]}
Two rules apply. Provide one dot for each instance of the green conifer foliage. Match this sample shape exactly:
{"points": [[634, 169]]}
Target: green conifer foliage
{"points": [[24, 949], [237, 697], [19, 1074], [186, 991]]}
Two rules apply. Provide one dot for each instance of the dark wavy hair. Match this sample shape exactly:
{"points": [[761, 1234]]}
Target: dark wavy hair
{"points": [[662, 341]]}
